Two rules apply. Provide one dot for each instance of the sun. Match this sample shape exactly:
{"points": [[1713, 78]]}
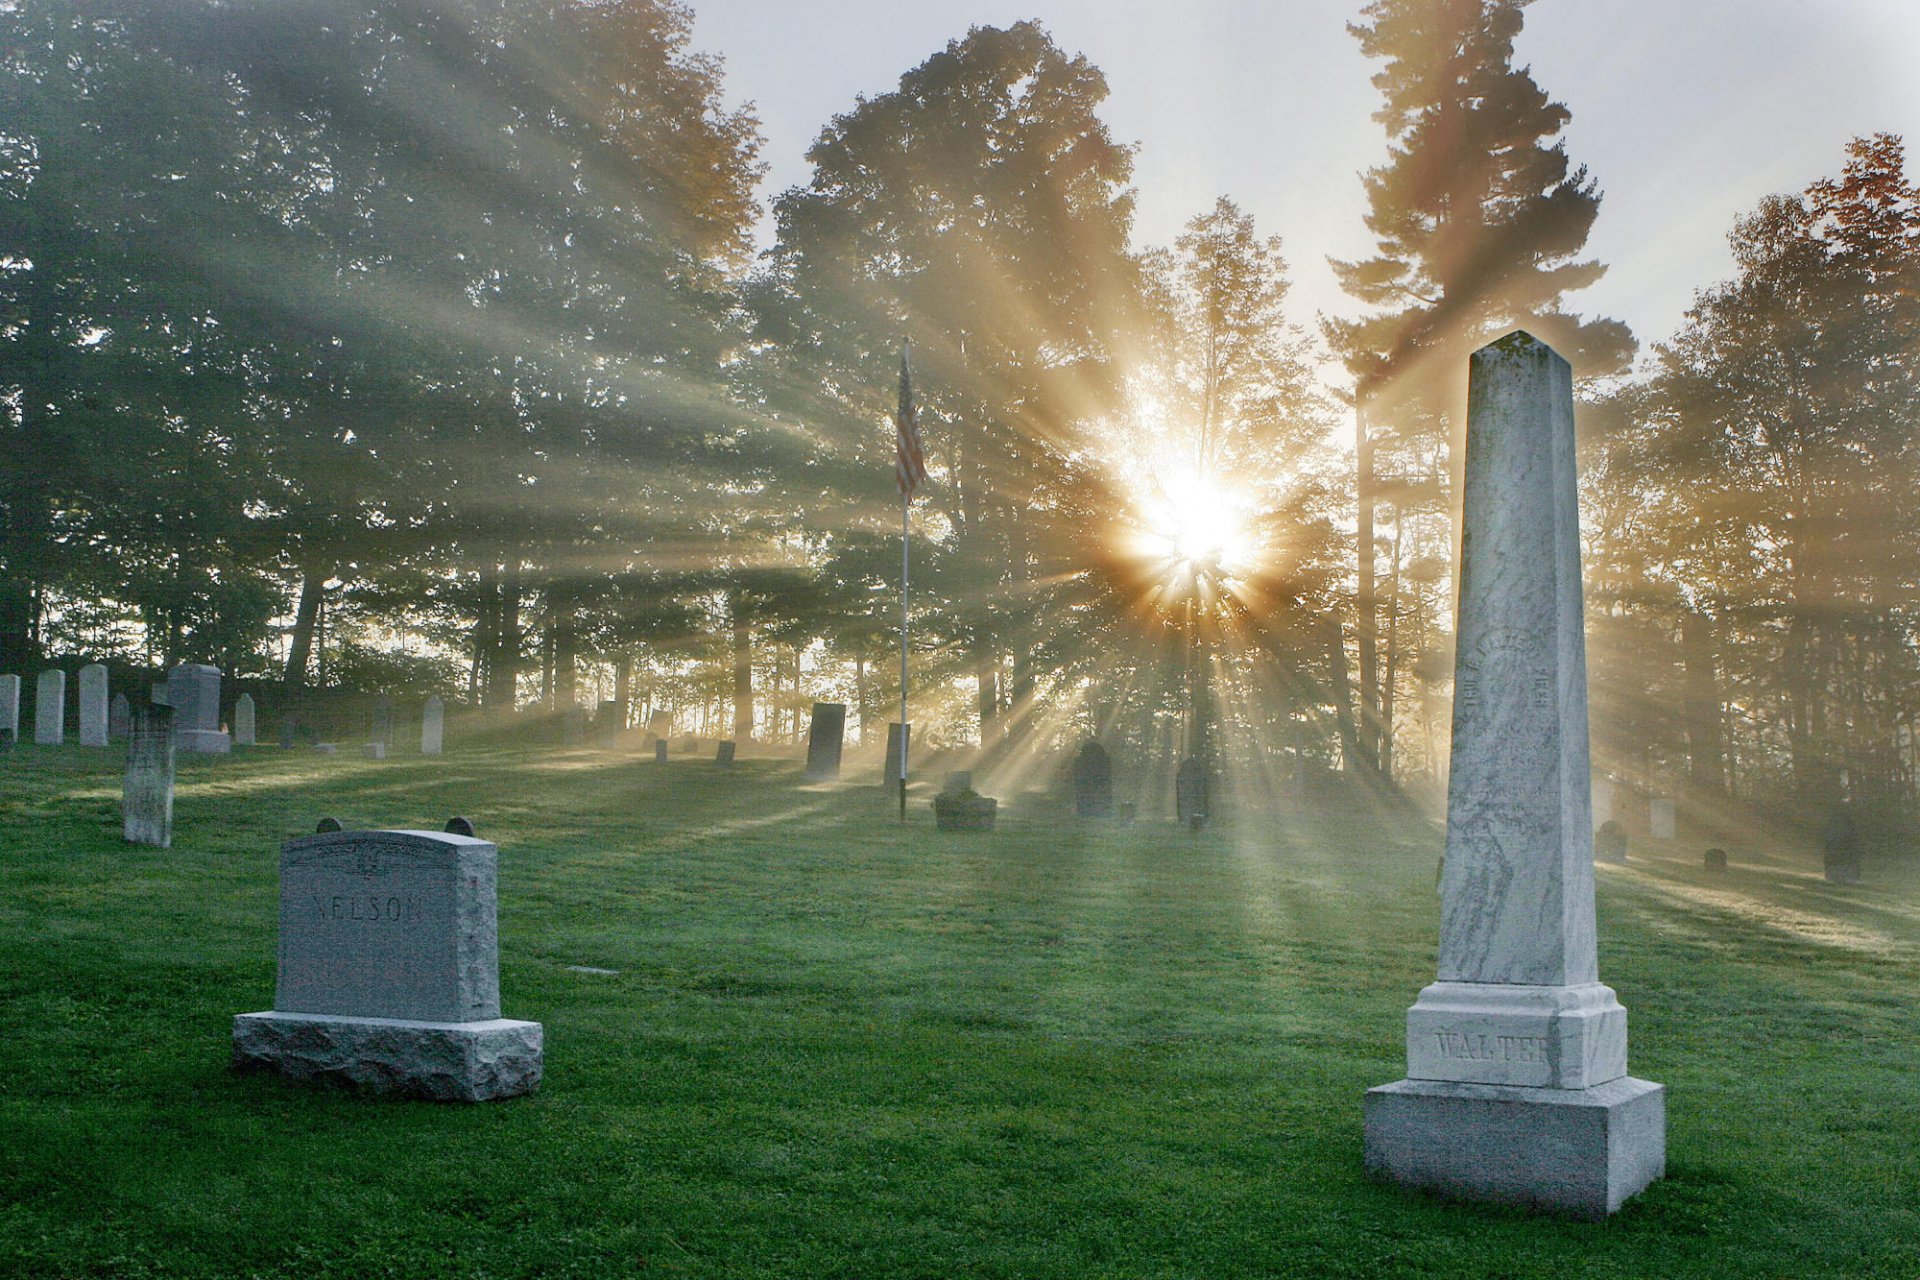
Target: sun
{"points": [[1195, 526]]}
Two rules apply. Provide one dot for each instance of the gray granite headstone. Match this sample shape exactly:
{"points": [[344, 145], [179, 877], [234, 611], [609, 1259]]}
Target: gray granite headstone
{"points": [[433, 721], [244, 727], [659, 750], [1517, 1087], [824, 737], [723, 753], [93, 705], [1610, 842], [1714, 859], [890, 769], [10, 707], [146, 795], [956, 781], [119, 716], [1093, 782], [389, 971], [193, 691], [50, 709]]}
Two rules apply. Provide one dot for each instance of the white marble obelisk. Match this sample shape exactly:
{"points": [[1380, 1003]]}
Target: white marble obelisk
{"points": [[1517, 1085]]}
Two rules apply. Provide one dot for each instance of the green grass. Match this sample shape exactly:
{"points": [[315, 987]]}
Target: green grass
{"points": [[840, 1047]]}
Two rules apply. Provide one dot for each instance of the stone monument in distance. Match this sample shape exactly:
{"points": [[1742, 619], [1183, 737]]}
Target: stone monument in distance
{"points": [[824, 737], [10, 708], [146, 794], [50, 709], [433, 725], [389, 971], [93, 705], [245, 721], [193, 691], [1517, 1087]]}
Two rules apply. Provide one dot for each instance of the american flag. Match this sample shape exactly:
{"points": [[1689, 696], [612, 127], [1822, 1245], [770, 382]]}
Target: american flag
{"points": [[910, 457]]}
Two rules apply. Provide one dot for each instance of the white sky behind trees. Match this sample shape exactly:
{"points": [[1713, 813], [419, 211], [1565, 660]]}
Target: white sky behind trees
{"points": [[1687, 111]]}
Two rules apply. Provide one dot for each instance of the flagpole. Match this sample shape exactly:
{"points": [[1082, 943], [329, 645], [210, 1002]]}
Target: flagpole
{"points": [[906, 503]]}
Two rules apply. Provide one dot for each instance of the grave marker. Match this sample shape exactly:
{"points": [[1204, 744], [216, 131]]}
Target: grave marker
{"points": [[193, 691], [723, 754], [244, 727], [890, 770], [1517, 1087], [389, 971], [146, 794], [1093, 781], [50, 709], [824, 737], [93, 705], [1660, 824], [119, 716]]}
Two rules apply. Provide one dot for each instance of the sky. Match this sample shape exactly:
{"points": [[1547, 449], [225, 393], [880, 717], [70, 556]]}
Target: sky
{"points": [[1686, 111]]}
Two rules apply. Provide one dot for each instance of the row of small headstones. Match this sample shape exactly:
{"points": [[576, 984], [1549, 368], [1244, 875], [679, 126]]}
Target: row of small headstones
{"points": [[193, 691]]}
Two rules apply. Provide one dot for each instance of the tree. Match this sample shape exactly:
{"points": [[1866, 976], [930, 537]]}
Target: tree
{"points": [[1479, 219]]}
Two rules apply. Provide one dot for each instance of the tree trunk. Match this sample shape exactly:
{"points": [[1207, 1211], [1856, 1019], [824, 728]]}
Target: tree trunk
{"points": [[1366, 610], [306, 617], [742, 674], [1706, 752]]}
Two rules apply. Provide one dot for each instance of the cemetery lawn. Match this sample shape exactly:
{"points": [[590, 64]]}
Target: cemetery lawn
{"points": [[836, 1046]]}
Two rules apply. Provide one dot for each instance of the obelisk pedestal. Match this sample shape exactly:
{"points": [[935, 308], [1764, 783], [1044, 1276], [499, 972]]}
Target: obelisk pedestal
{"points": [[1517, 1087]]}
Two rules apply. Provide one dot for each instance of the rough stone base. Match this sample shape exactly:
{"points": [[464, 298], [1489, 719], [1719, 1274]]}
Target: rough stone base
{"points": [[206, 742], [1579, 1151], [441, 1061]]}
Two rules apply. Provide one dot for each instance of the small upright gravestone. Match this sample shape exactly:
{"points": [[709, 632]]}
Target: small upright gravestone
{"points": [[723, 754], [146, 795], [433, 723], [1093, 781], [890, 770], [1517, 1087], [50, 709], [573, 727], [193, 691], [374, 751], [1714, 859], [93, 705], [389, 971], [659, 750], [119, 716], [245, 730], [609, 722], [9, 708], [824, 737], [1190, 793], [964, 810]]}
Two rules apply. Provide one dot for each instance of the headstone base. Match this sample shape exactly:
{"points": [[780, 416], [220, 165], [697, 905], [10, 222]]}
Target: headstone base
{"points": [[439, 1061], [206, 742], [1578, 1151], [1502, 1033]]}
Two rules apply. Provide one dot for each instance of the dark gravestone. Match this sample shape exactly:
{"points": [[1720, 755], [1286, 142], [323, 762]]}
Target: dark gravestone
{"points": [[659, 750], [1610, 842], [380, 721], [458, 826], [146, 797], [1715, 860], [1842, 847], [1190, 793], [890, 768], [824, 737], [119, 716], [723, 754], [964, 810], [1093, 782]]}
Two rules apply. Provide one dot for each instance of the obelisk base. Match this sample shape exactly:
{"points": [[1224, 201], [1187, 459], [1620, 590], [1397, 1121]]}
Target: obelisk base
{"points": [[1578, 1151], [439, 1061]]}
